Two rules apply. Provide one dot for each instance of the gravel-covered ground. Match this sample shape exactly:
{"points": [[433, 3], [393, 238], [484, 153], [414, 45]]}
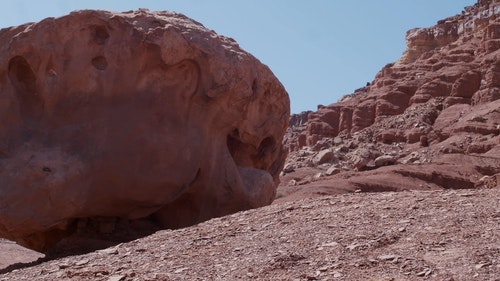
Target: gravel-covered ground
{"points": [[413, 235]]}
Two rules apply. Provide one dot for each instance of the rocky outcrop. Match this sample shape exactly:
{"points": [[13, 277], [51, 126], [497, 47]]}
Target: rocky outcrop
{"points": [[419, 124], [456, 61], [124, 116]]}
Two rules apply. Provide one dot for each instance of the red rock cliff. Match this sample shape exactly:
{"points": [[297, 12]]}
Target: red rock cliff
{"points": [[453, 62]]}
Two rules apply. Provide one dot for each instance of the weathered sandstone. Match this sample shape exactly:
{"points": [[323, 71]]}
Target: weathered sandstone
{"points": [[430, 115], [132, 115], [456, 60]]}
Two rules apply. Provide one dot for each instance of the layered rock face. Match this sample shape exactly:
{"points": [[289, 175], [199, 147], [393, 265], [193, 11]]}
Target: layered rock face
{"points": [[455, 61], [132, 115], [442, 96]]}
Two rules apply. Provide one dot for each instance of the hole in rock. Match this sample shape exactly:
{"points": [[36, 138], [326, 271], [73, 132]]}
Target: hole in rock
{"points": [[23, 79], [100, 63], [100, 34], [266, 145], [233, 142], [241, 152], [247, 154], [21, 75], [254, 86]]}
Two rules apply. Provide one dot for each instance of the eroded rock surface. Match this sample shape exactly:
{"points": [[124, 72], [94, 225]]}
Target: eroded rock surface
{"points": [[431, 113], [129, 116]]}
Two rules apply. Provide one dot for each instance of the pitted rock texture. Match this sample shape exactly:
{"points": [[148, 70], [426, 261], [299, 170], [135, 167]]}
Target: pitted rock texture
{"points": [[126, 116], [441, 97]]}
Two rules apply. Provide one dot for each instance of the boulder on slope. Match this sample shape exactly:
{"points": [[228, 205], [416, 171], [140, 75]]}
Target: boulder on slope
{"points": [[131, 115]]}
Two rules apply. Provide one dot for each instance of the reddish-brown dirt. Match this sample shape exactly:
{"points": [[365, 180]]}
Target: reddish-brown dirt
{"points": [[410, 235], [11, 253]]}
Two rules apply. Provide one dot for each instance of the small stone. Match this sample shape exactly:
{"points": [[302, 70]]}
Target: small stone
{"points": [[82, 262], [425, 272], [332, 171], [352, 246], [467, 194], [324, 268], [180, 270], [481, 265], [109, 251], [360, 159], [289, 167], [337, 275], [323, 156], [117, 278], [64, 265], [387, 257], [385, 160]]}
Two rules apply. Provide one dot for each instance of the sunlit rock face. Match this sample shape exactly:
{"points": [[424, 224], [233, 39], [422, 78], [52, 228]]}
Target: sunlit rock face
{"points": [[453, 62], [430, 120], [132, 115]]}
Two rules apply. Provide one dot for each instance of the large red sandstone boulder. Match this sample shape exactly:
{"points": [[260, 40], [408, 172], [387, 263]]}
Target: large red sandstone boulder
{"points": [[132, 115]]}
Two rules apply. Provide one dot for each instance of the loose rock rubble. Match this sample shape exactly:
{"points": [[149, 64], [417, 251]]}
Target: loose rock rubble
{"points": [[433, 235]]}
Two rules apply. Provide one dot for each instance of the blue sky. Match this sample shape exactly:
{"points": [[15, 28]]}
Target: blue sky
{"points": [[320, 49]]}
